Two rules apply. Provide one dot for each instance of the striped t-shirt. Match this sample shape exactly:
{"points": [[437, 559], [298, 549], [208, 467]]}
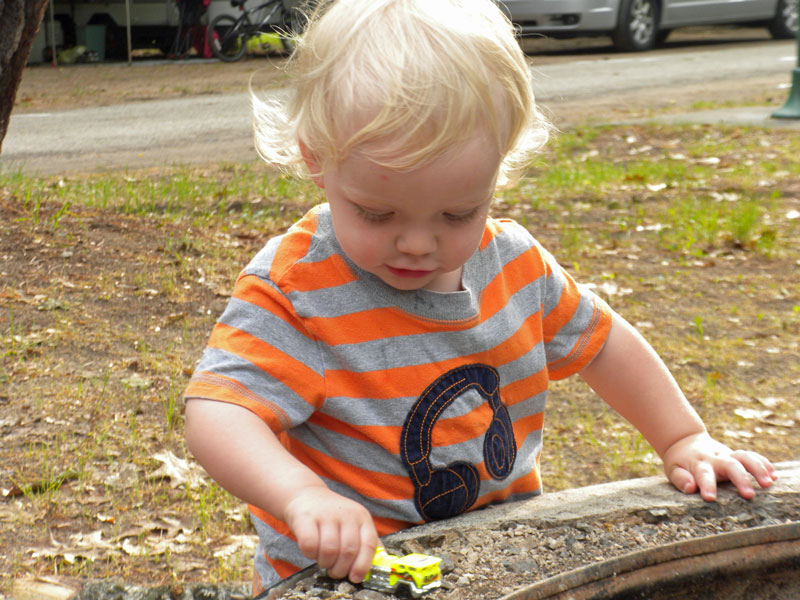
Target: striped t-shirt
{"points": [[420, 405]]}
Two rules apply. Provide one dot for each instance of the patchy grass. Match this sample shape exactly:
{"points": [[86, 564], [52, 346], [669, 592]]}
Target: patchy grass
{"points": [[111, 284]]}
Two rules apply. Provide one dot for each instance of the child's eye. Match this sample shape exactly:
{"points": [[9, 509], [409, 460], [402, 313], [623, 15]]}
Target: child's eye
{"points": [[462, 217], [372, 217]]}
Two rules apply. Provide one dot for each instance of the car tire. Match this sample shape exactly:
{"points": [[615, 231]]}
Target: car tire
{"points": [[637, 27], [784, 25]]}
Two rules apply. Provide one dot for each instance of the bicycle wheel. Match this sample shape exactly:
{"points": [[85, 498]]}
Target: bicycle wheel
{"points": [[226, 40]]}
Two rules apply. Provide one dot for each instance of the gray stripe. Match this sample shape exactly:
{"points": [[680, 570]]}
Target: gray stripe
{"points": [[369, 411], [530, 406], [561, 345], [261, 263], [254, 379], [401, 510], [280, 548], [526, 365], [266, 326], [370, 457], [418, 349], [363, 455]]}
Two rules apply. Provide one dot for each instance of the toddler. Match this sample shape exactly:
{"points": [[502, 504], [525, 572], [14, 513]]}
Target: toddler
{"points": [[385, 362]]}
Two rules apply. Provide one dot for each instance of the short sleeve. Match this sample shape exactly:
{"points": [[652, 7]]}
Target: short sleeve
{"points": [[261, 357], [576, 322]]}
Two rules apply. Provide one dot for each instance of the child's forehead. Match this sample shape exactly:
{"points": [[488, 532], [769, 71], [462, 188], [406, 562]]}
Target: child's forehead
{"points": [[366, 133], [473, 163]]}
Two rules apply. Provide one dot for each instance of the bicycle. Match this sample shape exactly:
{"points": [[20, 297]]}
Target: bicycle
{"points": [[228, 36]]}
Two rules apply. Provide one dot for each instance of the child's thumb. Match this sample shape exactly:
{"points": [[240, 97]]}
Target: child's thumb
{"points": [[683, 480]]}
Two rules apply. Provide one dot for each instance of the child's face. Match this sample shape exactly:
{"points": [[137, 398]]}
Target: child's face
{"points": [[413, 229]]}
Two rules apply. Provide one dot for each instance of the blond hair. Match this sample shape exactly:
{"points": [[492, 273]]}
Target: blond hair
{"points": [[401, 82]]}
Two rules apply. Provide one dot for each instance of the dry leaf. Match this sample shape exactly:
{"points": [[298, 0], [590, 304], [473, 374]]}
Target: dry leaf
{"points": [[165, 527], [770, 401], [738, 435], [609, 288], [752, 413], [137, 382], [178, 471], [79, 546], [238, 543], [126, 477]]}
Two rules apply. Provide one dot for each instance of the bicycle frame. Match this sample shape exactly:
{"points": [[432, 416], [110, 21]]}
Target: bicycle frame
{"points": [[228, 35], [249, 27]]}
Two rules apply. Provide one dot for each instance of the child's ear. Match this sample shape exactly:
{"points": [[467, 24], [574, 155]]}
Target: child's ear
{"points": [[313, 164]]}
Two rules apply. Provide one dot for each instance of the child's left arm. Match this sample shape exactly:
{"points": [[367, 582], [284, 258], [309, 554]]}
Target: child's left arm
{"points": [[634, 381]]}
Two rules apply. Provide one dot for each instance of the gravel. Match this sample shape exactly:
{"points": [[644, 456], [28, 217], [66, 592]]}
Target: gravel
{"points": [[486, 563], [491, 553]]}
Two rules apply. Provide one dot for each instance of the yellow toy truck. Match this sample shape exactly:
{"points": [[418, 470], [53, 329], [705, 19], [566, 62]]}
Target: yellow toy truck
{"points": [[420, 573]]}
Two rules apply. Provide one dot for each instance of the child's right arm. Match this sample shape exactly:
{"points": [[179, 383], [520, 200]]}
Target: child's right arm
{"points": [[246, 458]]}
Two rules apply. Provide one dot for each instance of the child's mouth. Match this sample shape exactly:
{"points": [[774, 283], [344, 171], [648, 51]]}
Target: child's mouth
{"points": [[411, 273]]}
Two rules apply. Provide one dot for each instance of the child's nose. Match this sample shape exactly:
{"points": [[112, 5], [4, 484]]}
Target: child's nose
{"points": [[416, 241]]}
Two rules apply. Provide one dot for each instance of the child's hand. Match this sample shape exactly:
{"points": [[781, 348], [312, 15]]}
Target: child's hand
{"points": [[698, 462], [336, 532]]}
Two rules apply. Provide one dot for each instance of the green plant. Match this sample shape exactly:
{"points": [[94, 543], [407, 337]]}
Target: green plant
{"points": [[698, 326], [170, 402]]}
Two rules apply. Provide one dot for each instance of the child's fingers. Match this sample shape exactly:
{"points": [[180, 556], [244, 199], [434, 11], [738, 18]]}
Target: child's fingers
{"points": [[733, 471], [758, 466], [349, 543], [700, 478], [329, 546], [366, 552], [706, 477], [307, 534]]}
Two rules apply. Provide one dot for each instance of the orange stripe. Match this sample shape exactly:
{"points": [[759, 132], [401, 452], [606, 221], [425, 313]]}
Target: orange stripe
{"points": [[526, 337], [588, 345], [385, 436], [489, 233], [563, 312], [369, 484], [456, 430], [211, 386], [527, 425], [283, 568], [525, 388], [515, 275], [253, 290], [447, 432], [294, 246], [385, 526], [291, 372], [327, 273], [404, 381], [279, 526], [525, 485], [376, 324]]}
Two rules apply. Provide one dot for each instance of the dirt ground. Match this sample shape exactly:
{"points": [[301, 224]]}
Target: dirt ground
{"points": [[93, 351]]}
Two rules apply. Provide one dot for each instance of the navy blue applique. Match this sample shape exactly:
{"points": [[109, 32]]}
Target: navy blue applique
{"points": [[450, 491]]}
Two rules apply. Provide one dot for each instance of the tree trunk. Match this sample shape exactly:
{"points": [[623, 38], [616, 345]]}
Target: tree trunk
{"points": [[19, 22]]}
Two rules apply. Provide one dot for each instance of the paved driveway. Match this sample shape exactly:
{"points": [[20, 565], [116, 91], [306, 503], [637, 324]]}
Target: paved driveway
{"points": [[198, 129]]}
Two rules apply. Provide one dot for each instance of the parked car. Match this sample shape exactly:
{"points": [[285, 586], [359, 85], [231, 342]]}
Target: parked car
{"points": [[636, 25]]}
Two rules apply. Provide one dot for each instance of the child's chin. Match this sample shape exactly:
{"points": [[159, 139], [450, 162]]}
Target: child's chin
{"points": [[407, 285], [404, 283]]}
